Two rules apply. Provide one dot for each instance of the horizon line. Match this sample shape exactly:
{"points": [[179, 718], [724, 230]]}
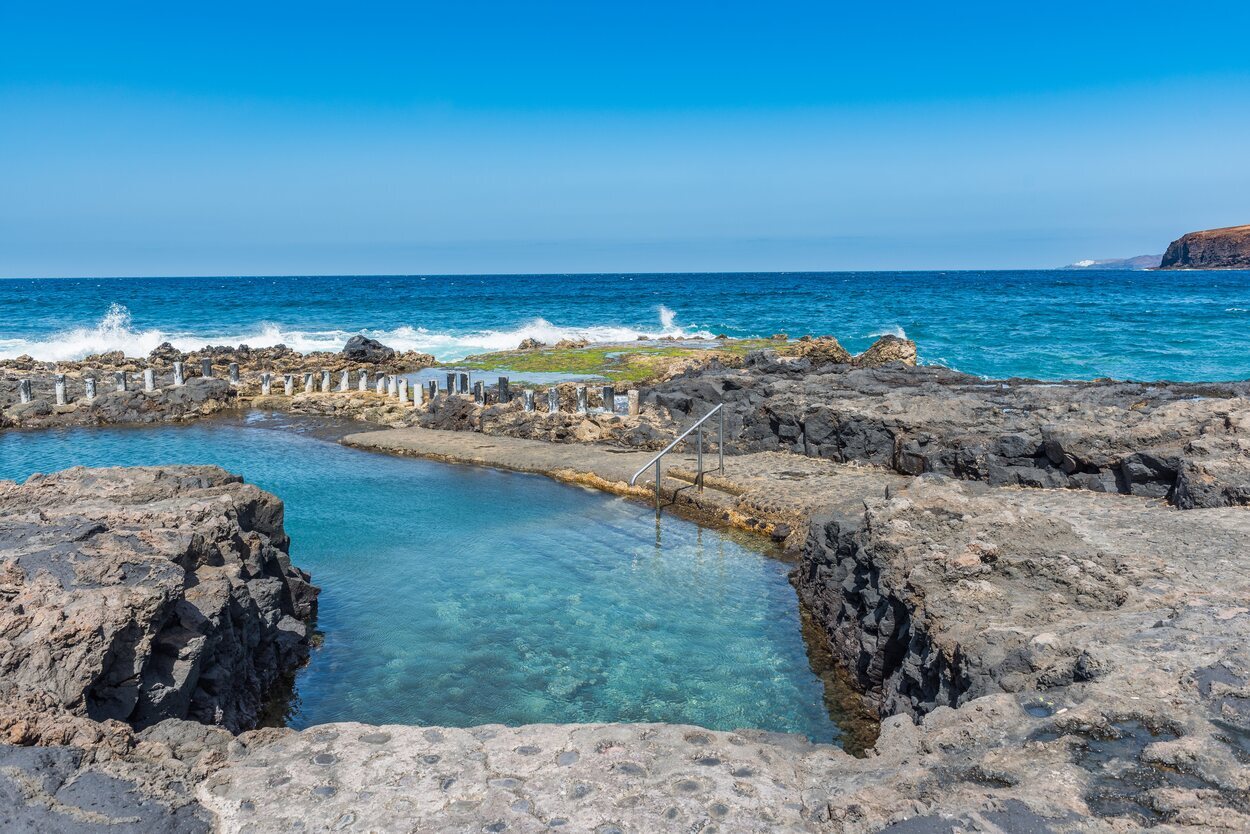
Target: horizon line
{"points": [[577, 274]]}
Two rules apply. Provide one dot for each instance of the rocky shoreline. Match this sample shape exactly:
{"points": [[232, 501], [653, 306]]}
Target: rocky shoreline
{"points": [[1039, 587], [144, 608]]}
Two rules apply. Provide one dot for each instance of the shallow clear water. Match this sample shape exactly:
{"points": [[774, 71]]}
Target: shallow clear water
{"points": [[458, 596], [1046, 324]]}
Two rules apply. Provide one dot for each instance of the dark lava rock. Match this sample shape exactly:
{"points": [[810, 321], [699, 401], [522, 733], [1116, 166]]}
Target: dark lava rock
{"points": [[363, 349], [165, 353], [1183, 442], [184, 602]]}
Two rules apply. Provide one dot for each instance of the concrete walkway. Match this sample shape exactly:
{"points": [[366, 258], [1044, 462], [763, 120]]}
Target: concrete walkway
{"points": [[773, 493]]}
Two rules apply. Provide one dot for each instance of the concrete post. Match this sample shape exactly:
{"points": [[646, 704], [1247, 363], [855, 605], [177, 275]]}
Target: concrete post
{"points": [[149, 379], [232, 372], [381, 386], [180, 377], [451, 383], [464, 383], [343, 381], [364, 381], [505, 395], [206, 368], [433, 386], [325, 382], [403, 392], [479, 392], [120, 379], [581, 399], [23, 391], [609, 399], [528, 396], [288, 384], [308, 383], [60, 389], [632, 397], [393, 385], [418, 394], [553, 400], [88, 385], [265, 384]]}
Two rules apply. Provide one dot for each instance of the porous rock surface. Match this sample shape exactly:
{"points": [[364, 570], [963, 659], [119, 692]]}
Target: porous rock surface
{"points": [[1187, 442], [143, 594], [1124, 620]]}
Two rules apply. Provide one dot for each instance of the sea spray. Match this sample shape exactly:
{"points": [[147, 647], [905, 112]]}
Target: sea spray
{"points": [[115, 331], [892, 330]]}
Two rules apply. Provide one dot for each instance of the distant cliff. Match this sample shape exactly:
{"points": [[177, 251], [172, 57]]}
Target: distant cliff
{"points": [[1227, 248]]}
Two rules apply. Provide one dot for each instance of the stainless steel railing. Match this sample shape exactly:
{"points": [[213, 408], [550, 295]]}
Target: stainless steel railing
{"points": [[698, 429]]}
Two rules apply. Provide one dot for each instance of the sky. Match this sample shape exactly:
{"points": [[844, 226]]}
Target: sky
{"points": [[468, 137]]}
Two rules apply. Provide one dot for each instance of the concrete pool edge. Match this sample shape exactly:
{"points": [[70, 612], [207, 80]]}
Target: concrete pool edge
{"points": [[752, 495]]}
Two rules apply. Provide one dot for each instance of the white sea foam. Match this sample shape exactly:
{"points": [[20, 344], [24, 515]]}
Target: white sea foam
{"points": [[115, 331], [892, 330]]}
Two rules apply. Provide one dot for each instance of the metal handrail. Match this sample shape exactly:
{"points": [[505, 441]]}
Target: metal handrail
{"points": [[697, 427]]}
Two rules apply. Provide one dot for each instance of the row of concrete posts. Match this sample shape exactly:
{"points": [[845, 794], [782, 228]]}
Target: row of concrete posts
{"points": [[458, 384], [393, 386], [121, 381]]}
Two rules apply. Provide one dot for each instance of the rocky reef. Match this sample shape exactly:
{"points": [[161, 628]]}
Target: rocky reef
{"points": [[1227, 248]]}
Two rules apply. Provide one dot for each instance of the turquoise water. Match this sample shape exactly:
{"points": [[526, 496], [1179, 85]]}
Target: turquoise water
{"points": [[1043, 324], [458, 596]]}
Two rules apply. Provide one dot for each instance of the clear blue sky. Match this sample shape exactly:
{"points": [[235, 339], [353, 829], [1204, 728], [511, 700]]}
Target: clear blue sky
{"points": [[263, 138]]}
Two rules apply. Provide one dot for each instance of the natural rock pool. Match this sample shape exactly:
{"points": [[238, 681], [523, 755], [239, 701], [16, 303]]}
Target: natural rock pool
{"points": [[458, 596]]}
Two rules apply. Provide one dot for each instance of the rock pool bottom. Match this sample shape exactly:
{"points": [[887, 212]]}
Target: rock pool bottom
{"points": [[456, 596]]}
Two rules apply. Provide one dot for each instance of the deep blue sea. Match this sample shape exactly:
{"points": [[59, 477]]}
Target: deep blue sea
{"points": [[1044, 324], [458, 596]]}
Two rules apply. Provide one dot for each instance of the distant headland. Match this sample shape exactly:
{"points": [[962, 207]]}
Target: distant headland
{"points": [[1226, 248], [1137, 262]]}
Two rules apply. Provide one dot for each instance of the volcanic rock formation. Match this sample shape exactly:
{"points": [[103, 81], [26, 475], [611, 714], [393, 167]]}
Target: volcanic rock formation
{"points": [[1227, 248]]}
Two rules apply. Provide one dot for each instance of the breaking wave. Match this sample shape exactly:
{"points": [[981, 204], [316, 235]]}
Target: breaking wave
{"points": [[116, 331], [893, 330]]}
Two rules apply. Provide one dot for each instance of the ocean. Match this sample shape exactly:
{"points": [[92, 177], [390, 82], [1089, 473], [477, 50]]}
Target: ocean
{"points": [[1052, 325]]}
